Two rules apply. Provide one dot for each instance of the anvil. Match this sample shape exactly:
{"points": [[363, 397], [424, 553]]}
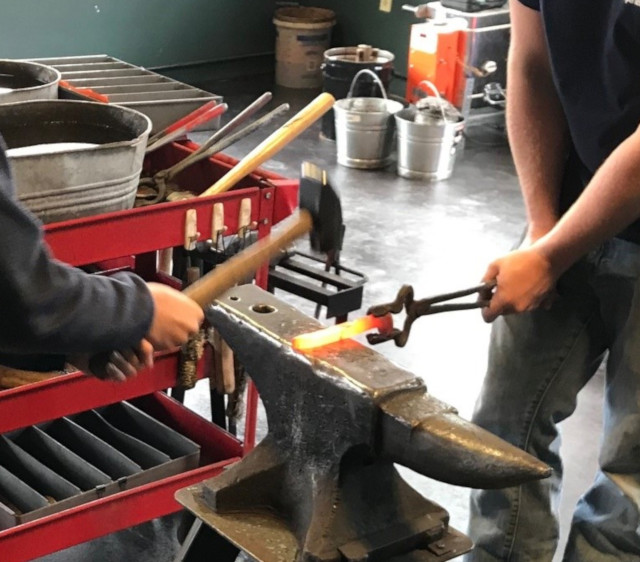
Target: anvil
{"points": [[321, 486]]}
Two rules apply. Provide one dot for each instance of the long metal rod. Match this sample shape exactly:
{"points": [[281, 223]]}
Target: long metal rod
{"points": [[275, 142], [181, 122], [190, 124], [238, 120], [181, 555], [230, 139]]}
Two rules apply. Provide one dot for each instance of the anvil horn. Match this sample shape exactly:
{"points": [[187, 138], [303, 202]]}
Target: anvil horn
{"points": [[438, 443]]}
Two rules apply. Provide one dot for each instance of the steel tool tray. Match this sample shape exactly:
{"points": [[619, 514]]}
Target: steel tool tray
{"points": [[58, 465], [162, 99]]}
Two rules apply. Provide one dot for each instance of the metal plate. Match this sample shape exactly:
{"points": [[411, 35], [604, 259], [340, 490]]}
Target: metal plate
{"points": [[263, 536]]}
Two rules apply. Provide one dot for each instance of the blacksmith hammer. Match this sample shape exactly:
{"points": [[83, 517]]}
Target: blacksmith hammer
{"points": [[320, 215]]}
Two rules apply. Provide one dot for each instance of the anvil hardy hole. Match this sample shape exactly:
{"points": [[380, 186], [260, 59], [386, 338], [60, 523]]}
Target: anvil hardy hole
{"points": [[263, 308]]}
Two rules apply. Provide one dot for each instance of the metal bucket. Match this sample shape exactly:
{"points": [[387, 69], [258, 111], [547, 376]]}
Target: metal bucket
{"points": [[25, 81], [340, 66], [365, 128], [79, 181], [427, 143]]}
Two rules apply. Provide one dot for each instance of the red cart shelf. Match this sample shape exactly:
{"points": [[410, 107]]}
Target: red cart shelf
{"points": [[133, 238], [120, 511]]}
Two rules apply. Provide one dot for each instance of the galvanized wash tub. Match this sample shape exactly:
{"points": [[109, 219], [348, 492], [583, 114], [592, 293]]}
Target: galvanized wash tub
{"points": [[96, 172], [24, 81], [365, 128]]}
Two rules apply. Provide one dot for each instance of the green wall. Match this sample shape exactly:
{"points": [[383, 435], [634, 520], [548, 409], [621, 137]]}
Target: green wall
{"points": [[151, 33], [179, 34]]}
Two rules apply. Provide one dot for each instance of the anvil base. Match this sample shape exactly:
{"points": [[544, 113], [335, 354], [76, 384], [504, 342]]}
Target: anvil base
{"points": [[268, 538], [361, 511]]}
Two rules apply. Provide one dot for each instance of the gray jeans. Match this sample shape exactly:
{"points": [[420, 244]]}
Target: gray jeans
{"points": [[538, 362]]}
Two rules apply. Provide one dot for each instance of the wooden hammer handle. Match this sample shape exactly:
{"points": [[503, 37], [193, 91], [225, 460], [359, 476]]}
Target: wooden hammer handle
{"points": [[236, 269], [240, 266], [13, 378], [273, 143]]}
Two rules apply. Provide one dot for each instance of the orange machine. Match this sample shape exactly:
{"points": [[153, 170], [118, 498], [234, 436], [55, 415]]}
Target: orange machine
{"points": [[464, 54], [436, 54]]}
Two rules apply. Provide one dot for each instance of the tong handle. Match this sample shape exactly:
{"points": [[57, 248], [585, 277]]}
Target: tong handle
{"points": [[482, 287], [182, 121], [225, 139], [416, 309], [192, 124], [299, 123]]}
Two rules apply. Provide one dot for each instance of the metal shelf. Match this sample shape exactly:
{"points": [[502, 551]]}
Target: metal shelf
{"points": [[132, 507]]}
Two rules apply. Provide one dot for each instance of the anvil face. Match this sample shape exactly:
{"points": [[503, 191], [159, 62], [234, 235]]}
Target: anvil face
{"points": [[321, 485]]}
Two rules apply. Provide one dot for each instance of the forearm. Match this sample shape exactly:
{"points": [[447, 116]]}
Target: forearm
{"points": [[538, 139], [609, 203], [50, 308]]}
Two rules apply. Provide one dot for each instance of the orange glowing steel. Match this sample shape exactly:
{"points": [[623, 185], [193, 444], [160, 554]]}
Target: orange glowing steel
{"points": [[343, 331]]}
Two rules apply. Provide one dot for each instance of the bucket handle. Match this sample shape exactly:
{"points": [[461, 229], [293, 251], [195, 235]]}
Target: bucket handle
{"points": [[373, 75], [434, 90]]}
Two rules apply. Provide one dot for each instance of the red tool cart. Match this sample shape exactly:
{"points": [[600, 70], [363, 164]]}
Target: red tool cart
{"points": [[132, 239]]}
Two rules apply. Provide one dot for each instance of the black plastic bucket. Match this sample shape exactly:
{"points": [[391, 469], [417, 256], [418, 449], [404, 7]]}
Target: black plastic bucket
{"points": [[340, 66]]}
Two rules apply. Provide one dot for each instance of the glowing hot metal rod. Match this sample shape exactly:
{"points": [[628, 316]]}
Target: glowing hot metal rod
{"points": [[344, 331]]}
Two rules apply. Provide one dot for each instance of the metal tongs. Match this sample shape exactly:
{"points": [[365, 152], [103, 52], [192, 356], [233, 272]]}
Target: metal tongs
{"points": [[155, 189], [430, 305], [182, 126]]}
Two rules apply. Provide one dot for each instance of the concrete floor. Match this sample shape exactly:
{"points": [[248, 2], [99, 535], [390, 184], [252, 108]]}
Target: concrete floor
{"points": [[437, 237]]}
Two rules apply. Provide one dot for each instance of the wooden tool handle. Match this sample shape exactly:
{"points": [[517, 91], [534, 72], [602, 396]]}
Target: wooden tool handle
{"points": [[13, 378], [225, 373], [236, 269], [274, 143]]}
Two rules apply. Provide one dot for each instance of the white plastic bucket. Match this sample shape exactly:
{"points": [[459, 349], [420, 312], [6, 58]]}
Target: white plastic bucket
{"points": [[302, 37]]}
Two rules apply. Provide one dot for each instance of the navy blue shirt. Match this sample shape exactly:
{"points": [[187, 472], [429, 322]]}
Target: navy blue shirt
{"points": [[48, 309], [595, 57]]}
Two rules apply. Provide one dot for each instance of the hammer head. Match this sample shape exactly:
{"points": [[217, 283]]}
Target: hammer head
{"points": [[319, 198]]}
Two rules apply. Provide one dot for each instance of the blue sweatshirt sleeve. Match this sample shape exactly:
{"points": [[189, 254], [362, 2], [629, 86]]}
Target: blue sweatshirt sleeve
{"points": [[50, 309]]}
